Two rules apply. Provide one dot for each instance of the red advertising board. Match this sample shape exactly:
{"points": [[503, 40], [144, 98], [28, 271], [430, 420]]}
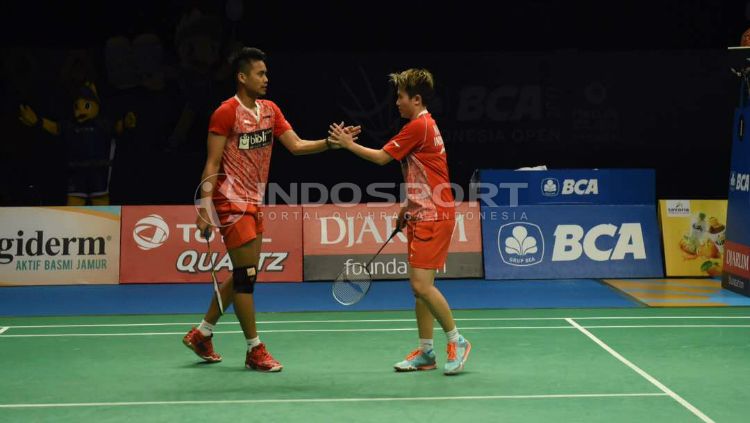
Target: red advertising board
{"points": [[337, 234], [161, 244]]}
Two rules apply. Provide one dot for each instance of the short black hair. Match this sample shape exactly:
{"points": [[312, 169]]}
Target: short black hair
{"points": [[244, 56]]}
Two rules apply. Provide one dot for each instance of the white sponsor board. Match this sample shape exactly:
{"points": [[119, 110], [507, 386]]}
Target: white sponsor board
{"points": [[59, 245]]}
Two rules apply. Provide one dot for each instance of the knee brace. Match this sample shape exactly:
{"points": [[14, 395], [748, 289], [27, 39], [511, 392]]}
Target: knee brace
{"points": [[243, 279]]}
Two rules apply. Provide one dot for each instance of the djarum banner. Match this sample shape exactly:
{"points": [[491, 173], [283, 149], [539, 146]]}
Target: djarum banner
{"points": [[344, 235]]}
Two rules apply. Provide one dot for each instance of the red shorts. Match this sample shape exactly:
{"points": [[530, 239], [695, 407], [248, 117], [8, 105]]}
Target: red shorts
{"points": [[429, 242], [240, 222]]}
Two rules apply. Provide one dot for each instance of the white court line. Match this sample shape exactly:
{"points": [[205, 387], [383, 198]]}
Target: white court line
{"points": [[657, 317], [664, 326], [463, 328], [3, 329], [117, 325], [52, 335], [476, 319], [324, 400], [641, 372]]}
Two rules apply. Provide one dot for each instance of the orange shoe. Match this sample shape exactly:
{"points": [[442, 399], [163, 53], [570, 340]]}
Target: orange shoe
{"points": [[261, 360], [458, 353], [201, 345]]}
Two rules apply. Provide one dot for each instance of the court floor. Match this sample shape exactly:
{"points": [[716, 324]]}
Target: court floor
{"points": [[530, 365]]}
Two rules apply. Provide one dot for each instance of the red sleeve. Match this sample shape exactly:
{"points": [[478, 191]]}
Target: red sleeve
{"points": [[222, 120], [410, 138], [280, 124]]}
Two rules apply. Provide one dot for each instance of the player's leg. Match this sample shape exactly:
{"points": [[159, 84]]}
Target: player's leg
{"points": [[423, 285], [199, 339], [237, 230], [425, 323], [423, 357], [428, 251], [247, 232], [245, 261]]}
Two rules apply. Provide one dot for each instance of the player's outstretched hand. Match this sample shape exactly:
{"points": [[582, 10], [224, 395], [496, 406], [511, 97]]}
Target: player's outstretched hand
{"points": [[341, 136], [354, 131]]}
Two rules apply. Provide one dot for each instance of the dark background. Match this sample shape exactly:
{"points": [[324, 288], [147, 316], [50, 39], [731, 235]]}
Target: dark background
{"points": [[568, 84]]}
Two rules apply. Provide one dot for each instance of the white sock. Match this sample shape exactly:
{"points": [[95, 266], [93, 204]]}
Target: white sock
{"points": [[452, 335], [205, 328], [425, 345], [252, 343]]}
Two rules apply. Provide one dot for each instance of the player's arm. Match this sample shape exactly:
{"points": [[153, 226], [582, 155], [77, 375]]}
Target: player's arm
{"points": [[299, 147], [340, 137], [216, 145]]}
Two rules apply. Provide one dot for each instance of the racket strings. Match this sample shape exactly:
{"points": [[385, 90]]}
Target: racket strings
{"points": [[352, 284]]}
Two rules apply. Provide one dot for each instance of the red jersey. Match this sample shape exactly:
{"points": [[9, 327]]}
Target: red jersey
{"points": [[419, 147], [247, 153]]}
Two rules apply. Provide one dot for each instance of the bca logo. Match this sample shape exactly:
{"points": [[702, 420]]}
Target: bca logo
{"points": [[550, 187], [150, 232], [739, 182], [520, 244], [571, 242], [580, 187]]}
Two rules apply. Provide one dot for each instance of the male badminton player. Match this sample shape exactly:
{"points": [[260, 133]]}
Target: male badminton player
{"points": [[430, 204], [240, 138]]}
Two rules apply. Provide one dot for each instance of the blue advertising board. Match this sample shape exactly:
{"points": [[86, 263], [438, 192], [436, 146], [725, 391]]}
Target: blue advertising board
{"points": [[571, 241], [738, 226], [566, 186], [736, 272]]}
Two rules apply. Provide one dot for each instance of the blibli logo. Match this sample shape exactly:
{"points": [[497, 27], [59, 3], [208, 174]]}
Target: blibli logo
{"points": [[257, 139], [520, 244], [571, 242]]}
